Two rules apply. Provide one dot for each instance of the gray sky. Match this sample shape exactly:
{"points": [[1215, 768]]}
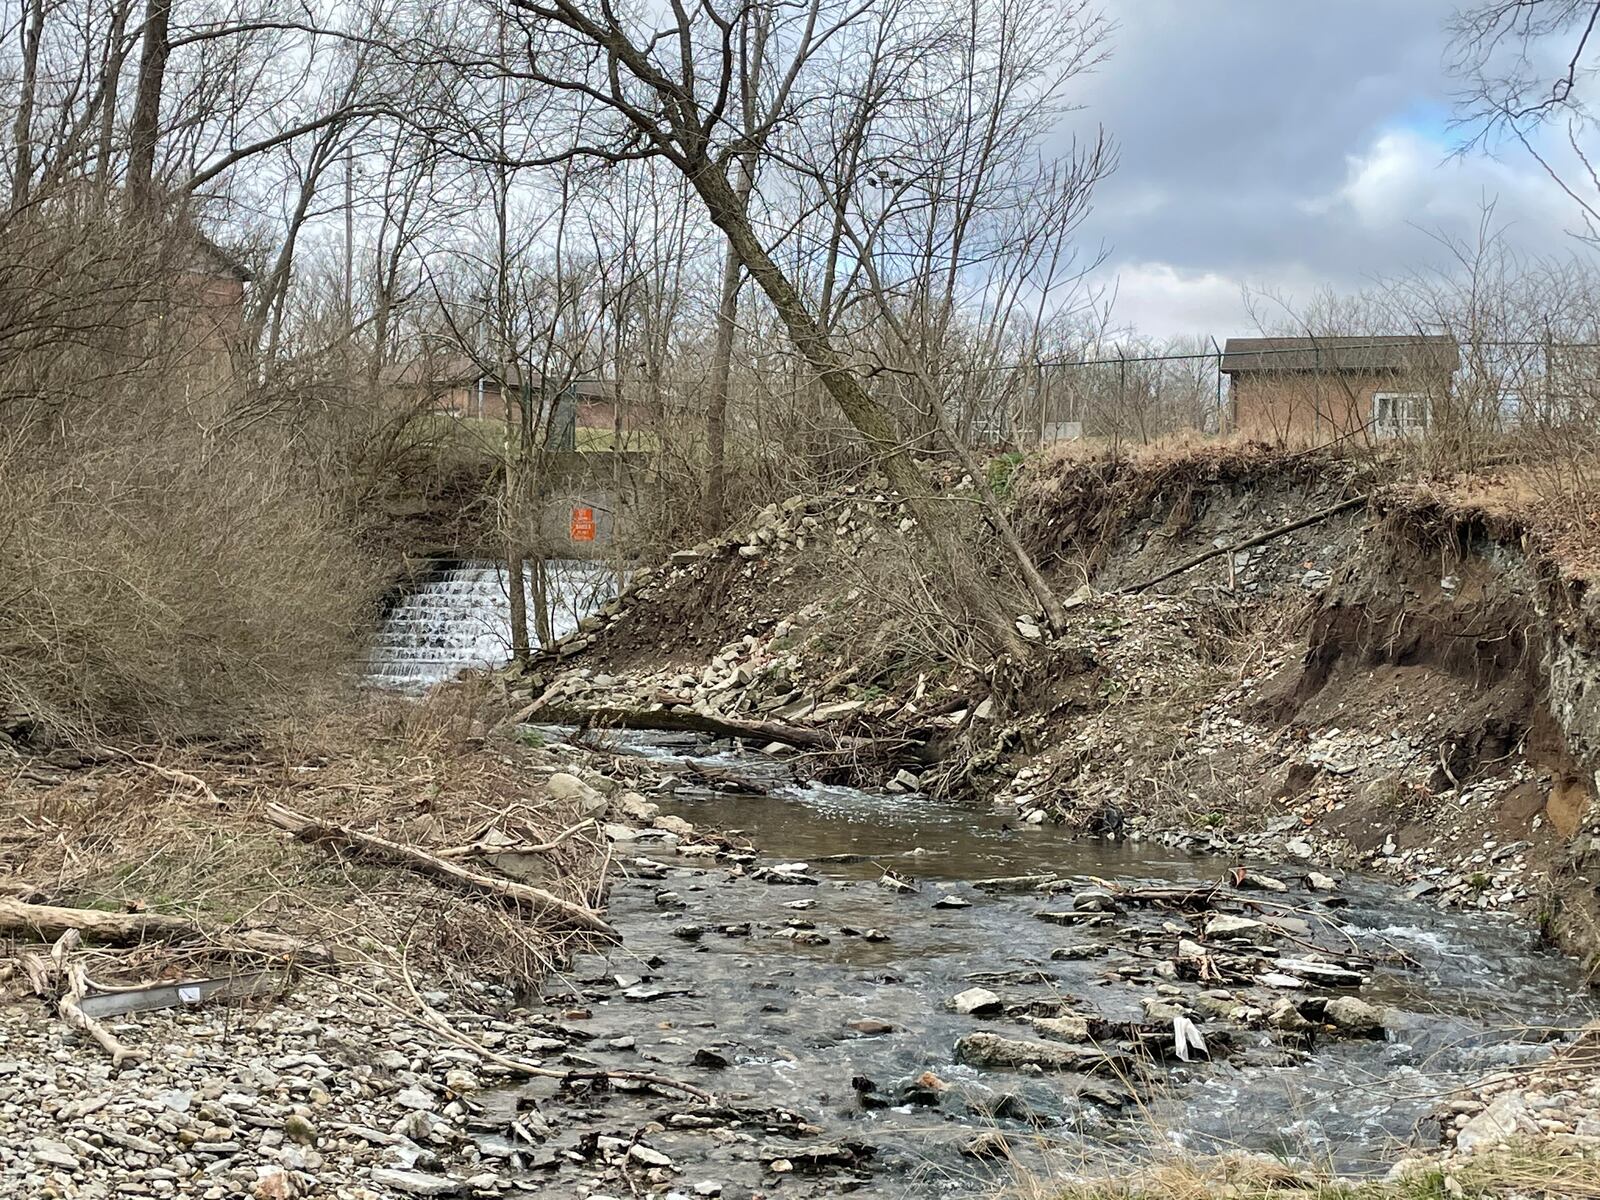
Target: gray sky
{"points": [[1285, 144]]}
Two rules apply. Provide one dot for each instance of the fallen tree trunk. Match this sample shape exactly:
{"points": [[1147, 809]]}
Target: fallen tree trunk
{"points": [[677, 719], [534, 899], [715, 779], [1248, 543], [48, 922]]}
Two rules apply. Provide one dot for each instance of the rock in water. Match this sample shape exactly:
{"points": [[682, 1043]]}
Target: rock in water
{"points": [[1286, 1016], [1014, 883], [1355, 1016], [992, 1050], [869, 1027], [637, 809], [989, 1144], [1067, 1028], [1093, 900], [1227, 925], [1327, 974], [975, 1002], [649, 1156]]}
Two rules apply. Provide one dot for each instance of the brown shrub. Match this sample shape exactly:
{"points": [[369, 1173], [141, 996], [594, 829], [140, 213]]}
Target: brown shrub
{"points": [[156, 584]]}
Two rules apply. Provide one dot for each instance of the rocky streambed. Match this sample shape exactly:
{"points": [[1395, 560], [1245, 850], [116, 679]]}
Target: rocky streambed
{"points": [[906, 996], [859, 992]]}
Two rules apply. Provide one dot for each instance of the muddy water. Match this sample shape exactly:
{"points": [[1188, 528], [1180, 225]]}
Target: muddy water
{"points": [[761, 1001]]}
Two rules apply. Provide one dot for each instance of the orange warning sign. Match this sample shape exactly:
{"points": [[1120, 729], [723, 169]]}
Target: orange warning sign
{"points": [[582, 525]]}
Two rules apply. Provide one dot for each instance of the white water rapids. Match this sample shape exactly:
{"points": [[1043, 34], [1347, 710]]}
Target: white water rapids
{"points": [[460, 619]]}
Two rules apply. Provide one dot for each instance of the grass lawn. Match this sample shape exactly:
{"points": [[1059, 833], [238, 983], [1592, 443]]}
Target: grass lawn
{"points": [[489, 435]]}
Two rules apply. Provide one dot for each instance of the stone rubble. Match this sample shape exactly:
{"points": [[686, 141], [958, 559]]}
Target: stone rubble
{"points": [[324, 1093]]}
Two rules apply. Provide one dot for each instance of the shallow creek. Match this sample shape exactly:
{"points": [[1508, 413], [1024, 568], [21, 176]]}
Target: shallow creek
{"points": [[759, 1005]]}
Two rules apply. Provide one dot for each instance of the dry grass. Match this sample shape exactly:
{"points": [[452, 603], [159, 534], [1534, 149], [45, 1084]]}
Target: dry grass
{"points": [[1538, 1170], [1546, 481], [127, 837], [1559, 509], [1180, 444]]}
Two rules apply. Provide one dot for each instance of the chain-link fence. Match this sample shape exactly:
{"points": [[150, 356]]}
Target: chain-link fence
{"points": [[1296, 391]]}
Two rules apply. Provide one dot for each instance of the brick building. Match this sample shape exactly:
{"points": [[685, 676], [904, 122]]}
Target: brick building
{"points": [[1309, 390], [457, 385]]}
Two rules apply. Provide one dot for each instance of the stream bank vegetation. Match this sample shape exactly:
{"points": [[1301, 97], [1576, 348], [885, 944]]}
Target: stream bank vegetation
{"points": [[199, 834]]}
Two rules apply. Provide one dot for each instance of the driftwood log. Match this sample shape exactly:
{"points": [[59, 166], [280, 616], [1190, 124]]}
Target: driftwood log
{"points": [[680, 719], [71, 984], [74, 988], [484, 846], [49, 922], [536, 900]]}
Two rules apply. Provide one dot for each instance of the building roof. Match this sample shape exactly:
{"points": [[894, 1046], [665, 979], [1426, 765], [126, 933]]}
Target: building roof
{"points": [[1350, 355]]}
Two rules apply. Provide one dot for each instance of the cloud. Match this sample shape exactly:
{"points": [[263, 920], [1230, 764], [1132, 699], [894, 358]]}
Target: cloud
{"points": [[1405, 179], [1166, 301], [1388, 185], [1288, 145]]}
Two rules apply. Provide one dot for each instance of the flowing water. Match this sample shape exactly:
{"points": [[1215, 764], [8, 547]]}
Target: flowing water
{"points": [[1467, 991], [829, 998], [460, 618]]}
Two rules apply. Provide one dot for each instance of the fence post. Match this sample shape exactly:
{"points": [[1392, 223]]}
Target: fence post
{"points": [[1221, 421], [1042, 381]]}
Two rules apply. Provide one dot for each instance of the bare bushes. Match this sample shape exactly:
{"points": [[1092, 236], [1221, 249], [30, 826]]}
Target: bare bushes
{"points": [[173, 563], [159, 584], [902, 617]]}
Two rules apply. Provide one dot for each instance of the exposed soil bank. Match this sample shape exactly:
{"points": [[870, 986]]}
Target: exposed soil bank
{"points": [[1466, 637], [1407, 684]]}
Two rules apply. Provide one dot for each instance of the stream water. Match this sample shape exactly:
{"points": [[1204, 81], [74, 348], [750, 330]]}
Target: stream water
{"points": [[815, 1003], [761, 1000]]}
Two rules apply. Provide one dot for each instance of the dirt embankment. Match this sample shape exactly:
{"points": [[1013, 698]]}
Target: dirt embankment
{"points": [[1467, 629], [1428, 704], [1406, 683]]}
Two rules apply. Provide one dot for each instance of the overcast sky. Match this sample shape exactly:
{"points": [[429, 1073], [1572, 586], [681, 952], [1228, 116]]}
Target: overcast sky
{"points": [[1284, 144]]}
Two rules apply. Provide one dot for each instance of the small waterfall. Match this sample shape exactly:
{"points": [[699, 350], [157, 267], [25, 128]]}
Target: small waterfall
{"points": [[461, 618]]}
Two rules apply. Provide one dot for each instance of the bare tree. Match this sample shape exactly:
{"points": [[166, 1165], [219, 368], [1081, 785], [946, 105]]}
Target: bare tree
{"points": [[22, 126], [145, 127], [668, 92], [752, 40], [1527, 66]]}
